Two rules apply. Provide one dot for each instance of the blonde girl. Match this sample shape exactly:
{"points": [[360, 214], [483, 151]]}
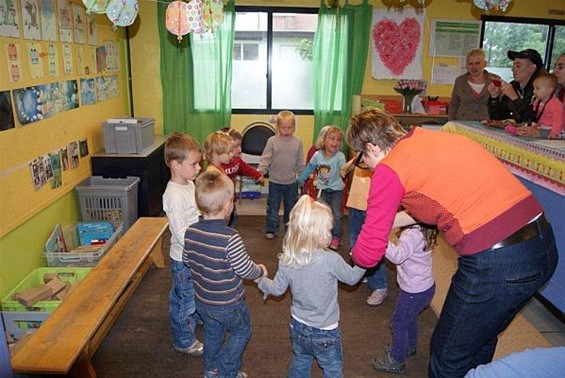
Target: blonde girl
{"points": [[327, 162], [312, 272]]}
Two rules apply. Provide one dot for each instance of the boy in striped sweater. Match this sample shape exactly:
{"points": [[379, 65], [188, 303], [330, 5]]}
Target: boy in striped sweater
{"points": [[219, 263]]}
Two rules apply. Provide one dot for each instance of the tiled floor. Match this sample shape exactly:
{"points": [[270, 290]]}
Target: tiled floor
{"points": [[552, 328]]}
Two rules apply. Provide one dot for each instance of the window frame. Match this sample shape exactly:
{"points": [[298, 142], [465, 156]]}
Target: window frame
{"points": [[270, 11], [551, 23]]}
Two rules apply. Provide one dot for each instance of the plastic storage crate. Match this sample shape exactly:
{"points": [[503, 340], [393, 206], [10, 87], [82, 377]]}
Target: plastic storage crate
{"points": [[19, 323], [109, 199], [128, 135], [35, 278], [80, 259]]}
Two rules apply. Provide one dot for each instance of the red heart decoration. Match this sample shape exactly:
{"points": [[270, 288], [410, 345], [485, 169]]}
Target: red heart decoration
{"points": [[396, 44]]}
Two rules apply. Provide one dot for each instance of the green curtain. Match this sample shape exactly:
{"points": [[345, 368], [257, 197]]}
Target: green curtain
{"points": [[341, 45], [196, 76]]}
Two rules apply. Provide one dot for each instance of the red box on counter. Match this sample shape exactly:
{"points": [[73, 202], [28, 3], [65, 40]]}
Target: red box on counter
{"points": [[436, 107]]}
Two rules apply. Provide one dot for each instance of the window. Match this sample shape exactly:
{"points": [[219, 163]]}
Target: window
{"points": [[500, 34], [272, 60]]}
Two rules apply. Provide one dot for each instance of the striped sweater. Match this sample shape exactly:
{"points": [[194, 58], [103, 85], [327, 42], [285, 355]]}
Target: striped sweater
{"points": [[219, 261]]}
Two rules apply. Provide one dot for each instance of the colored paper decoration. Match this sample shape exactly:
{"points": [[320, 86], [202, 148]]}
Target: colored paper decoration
{"points": [[213, 14], [122, 12], [176, 20], [197, 16], [96, 6]]}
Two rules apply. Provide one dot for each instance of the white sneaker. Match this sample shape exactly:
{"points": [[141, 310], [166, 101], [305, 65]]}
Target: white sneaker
{"points": [[269, 235], [377, 297]]}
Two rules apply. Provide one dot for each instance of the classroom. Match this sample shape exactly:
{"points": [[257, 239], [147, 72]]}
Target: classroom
{"points": [[65, 79]]}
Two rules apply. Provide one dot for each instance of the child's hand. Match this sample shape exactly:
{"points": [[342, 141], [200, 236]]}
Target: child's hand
{"points": [[265, 272]]}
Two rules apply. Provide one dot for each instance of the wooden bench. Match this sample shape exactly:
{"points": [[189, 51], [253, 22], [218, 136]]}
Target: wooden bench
{"points": [[67, 340]]}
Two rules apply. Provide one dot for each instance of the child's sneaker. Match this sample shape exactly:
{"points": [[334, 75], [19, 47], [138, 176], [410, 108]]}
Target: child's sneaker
{"points": [[377, 297], [388, 364], [269, 235], [336, 242], [196, 349]]}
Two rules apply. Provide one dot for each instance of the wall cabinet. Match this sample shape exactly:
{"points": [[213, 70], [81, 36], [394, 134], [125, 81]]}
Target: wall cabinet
{"points": [[149, 166]]}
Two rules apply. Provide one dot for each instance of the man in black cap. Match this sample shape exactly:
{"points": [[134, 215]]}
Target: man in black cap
{"points": [[514, 99]]}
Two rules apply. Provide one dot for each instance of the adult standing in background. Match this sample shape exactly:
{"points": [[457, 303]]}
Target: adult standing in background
{"points": [[469, 99], [506, 247], [559, 73], [514, 99]]}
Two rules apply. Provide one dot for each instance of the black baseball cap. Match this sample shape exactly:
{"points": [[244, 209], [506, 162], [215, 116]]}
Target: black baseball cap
{"points": [[530, 54]]}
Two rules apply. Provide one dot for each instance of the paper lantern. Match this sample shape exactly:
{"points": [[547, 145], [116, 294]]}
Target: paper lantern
{"points": [[213, 13], [122, 12], [176, 20], [195, 17], [96, 6]]}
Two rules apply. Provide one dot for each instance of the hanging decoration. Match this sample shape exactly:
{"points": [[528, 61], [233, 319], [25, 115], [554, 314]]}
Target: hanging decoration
{"points": [[122, 12], [197, 16], [398, 5], [488, 5], [96, 6]]}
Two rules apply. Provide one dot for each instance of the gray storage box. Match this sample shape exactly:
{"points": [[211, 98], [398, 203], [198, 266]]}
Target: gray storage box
{"points": [[128, 135]]}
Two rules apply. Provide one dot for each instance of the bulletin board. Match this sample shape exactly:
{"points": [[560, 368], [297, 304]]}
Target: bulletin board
{"points": [[61, 75]]}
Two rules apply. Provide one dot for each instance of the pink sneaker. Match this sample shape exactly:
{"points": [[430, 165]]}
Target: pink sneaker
{"points": [[336, 242]]}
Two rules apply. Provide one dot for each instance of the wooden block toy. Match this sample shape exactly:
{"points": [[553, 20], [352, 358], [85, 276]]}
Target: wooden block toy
{"points": [[56, 286], [34, 295], [63, 293], [49, 276]]}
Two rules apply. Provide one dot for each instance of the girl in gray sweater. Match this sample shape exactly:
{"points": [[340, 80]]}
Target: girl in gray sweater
{"points": [[312, 272]]}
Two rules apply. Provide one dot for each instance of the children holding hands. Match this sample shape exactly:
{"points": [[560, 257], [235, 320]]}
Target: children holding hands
{"points": [[219, 262], [312, 272], [328, 161]]}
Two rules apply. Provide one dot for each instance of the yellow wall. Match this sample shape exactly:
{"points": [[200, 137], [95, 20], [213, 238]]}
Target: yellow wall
{"points": [[27, 217]]}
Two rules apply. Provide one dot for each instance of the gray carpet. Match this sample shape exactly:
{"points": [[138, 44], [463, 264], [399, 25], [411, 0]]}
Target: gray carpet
{"points": [[139, 344]]}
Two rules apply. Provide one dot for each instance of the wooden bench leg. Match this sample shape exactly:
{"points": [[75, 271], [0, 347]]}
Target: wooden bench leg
{"points": [[83, 367], [157, 255]]}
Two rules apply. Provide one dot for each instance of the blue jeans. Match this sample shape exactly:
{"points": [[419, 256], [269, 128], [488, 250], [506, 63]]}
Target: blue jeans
{"points": [[288, 193], [404, 323], [334, 199], [182, 316], [227, 329], [487, 291], [309, 343], [376, 277]]}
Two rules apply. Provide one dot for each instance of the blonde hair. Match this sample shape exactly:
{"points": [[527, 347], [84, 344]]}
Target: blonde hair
{"points": [[373, 126], [309, 230], [285, 115], [213, 190], [217, 143], [547, 79], [178, 146], [233, 133], [324, 133], [480, 53]]}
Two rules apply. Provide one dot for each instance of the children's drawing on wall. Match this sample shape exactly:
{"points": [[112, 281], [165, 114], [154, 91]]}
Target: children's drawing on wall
{"points": [[6, 114], [55, 159], [91, 32], [69, 94], [35, 62], [67, 59], [87, 92], [396, 44], [14, 62], [100, 59], [48, 20], [79, 18], [112, 55], [82, 65], [73, 151], [30, 13], [47, 168], [53, 60], [64, 152], [106, 87], [83, 147], [34, 169], [65, 21], [10, 18], [28, 104]]}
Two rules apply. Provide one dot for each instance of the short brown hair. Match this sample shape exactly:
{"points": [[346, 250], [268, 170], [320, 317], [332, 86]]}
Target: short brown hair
{"points": [[217, 143], [376, 127], [213, 190], [547, 79], [233, 133], [178, 146]]}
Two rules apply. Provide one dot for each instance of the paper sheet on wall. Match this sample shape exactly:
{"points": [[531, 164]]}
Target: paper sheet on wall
{"points": [[453, 37], [444, 74]]}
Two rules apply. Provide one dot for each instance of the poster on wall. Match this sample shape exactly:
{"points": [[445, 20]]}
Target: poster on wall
{"points": [[73, 152], [65, 21], [14, 62], [396, 44], [453, 38], [57, 180], [10, 18], [31, 17], [112, 55], [100, 59], [87, 92], [35, 62], [6, 113], [30, 105], [91, 31], [106, 87], [68, 59], [79, 23], [53, 60], [48, 20]]}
